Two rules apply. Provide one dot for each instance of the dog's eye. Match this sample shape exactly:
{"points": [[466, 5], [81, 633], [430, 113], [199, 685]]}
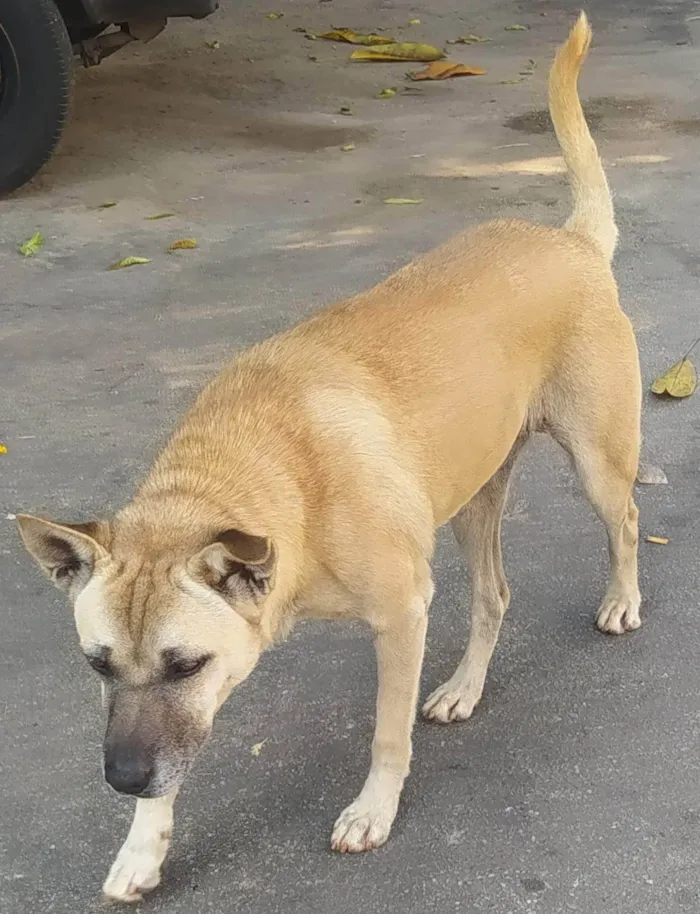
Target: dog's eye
{"points": [[100, 665], [181, 669]]}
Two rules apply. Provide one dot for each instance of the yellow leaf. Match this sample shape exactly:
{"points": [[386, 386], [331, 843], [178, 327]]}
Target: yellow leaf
{"points": [[31, 245], [348, 148], [108, 204], [351, 37], [407, 50], [387, 93], [3, 449], [517, 28], [402, 201], [659, 540], [274, 15], [129, 262], [184, 244], [446, 69], [257, 748], [212, 45], [414, 21], [159, 216], [679, 381], [469, 39]]}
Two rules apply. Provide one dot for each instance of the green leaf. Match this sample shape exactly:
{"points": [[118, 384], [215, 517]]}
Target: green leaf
{"points": [[31, 245]]}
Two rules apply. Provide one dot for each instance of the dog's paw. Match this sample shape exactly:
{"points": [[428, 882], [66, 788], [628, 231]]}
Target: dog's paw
{"points": [[133, 874], [618, 615], [450, 703], [362, 827]]}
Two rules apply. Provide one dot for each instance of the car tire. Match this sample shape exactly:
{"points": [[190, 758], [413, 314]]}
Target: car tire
{"points": [[36, 78]]}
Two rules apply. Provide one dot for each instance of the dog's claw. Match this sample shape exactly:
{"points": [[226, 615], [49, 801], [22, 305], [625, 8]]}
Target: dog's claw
{"points": [[450, 703], [619, 615], [361, 828], [132, 875]]}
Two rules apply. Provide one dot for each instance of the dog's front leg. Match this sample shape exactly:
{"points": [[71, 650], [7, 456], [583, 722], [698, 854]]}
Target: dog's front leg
{"points": [[137, 867], [366, 823]]}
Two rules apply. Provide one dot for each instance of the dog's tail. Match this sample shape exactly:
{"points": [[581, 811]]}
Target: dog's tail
{"points": [[593, 213]]}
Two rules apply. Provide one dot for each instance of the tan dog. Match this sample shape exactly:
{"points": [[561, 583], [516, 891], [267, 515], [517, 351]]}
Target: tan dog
{"points": [[310, 475]]}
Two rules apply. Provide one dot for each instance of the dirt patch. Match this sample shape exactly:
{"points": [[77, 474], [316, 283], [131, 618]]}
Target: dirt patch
{"points": [[603, 113]]}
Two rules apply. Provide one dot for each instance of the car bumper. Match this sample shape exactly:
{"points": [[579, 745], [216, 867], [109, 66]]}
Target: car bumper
{"points": [[109, 11]]}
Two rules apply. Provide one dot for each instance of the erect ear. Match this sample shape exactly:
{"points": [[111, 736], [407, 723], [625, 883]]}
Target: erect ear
{"points": [[237, 565], [66, 553]]}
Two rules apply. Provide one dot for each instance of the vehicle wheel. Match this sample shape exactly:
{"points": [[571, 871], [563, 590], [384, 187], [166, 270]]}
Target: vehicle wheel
{"points": [[36, 74]]}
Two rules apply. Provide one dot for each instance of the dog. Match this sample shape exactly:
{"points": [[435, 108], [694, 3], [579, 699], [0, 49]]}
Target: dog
{"points": [[311, 474]]}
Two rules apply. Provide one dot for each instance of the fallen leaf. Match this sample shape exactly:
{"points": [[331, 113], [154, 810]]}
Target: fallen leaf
{"points": [[679, 381], [274, 16], [468, 39], [257, 748], [402, 201], [108, 204], [31, 245], [212, 45], [3, 449], [387, 93], [398, 51], [414, 21], [159, 216], [659, 540], [184, 244], [351, 37], [511, 82], [347, 148], [345, 110], [445, 69], [648, 474], [129, 262], [517, 28]]}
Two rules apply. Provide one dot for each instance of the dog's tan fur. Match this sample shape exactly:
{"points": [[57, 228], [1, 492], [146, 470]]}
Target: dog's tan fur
{"points": [[310, 475]]}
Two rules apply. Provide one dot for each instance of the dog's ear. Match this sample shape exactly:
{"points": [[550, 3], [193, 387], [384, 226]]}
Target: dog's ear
{"points": [[238, 565], [66, 553]]}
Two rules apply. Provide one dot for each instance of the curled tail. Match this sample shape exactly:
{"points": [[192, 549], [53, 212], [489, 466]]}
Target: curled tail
{"points": [[593, 213]]}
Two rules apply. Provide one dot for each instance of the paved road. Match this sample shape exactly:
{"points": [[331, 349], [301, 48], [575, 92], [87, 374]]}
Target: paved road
{"points": [[576, 787]]}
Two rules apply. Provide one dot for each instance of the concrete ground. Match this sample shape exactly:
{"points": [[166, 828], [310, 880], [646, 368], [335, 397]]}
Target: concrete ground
{"points": [[576, 787]]}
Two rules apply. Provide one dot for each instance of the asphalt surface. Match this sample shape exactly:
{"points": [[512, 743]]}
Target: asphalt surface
{"points": [[576, 786]]}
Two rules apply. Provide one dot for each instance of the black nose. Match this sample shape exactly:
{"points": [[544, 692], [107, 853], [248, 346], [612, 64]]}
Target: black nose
{"points": [[127, 771]]}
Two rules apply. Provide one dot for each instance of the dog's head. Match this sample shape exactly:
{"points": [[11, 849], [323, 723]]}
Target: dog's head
{"points": [[170, 619]]}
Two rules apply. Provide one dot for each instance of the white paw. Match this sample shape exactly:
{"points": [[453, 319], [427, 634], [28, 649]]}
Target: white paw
{"points": [[618, 615], [451, 702], [133, 873], [363, 826]]}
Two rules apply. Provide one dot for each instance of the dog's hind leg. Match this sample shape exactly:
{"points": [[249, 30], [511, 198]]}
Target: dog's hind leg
{"points": [[137, 867], [477, 528]]}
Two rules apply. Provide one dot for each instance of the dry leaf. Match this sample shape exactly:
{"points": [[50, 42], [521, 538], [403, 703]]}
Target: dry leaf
{"points": [[212, 45], [387, 93], [517, 28], [407, 50], [446, 69], [351, 37], [511, 82], [129, 262], [3, 449], [345, 110], [679, 381], [108, 204], [649, 474], [159, 216], [31, 245], [659, 540], [274, 15], [257, 748], [468, 39], [184, 244], [402, 201], [348, 148]]}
